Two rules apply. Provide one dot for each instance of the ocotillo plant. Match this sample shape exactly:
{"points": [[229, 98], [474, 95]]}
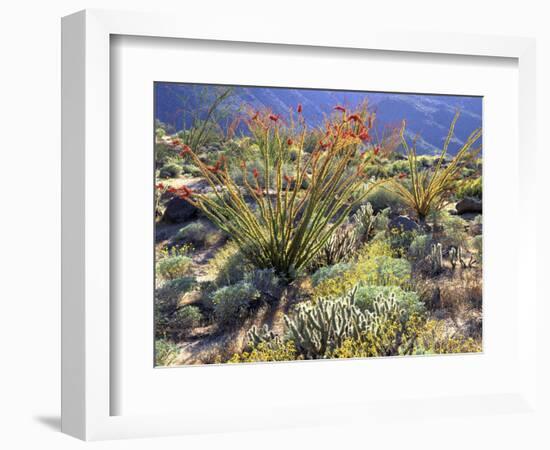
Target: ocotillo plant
{"points": [[430, 189], [281, 218]]}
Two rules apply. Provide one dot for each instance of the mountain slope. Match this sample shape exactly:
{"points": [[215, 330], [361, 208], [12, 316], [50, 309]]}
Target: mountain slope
{"points": [[427, 116]]}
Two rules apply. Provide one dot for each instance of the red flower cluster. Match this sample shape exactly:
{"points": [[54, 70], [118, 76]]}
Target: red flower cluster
{"points": [[402, 175], [299, 108], [185, 149], [364, 135], [274, 117], [354, 118], [183, 192], [255, 173], [376, 150], [339, 108], [160, 186], [289, 142]]}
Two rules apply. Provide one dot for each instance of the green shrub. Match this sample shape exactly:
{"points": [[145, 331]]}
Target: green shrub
{"points": [[191, 170], [231, 303], [330, 272], [264, 280], [166, 352], [174, 267], [381, 198], [454, 229], [198, 234], [420, 246], [366, 296], [188, 317], [170, 170], [264, 352], [171, 291], [470, 188], [228, 265]]}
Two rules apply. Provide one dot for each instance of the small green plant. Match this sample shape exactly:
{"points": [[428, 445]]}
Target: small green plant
{"points": [[166, 352], [420, 246], [188, 317], [170, 170], [228, 266], [174, 267], [231, 303], [430, 189], [470, 188], [198, 234]]}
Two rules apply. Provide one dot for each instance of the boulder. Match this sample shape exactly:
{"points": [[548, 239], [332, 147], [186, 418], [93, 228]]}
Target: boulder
{"points": [[403, 223], [468, 205], [179, 211]]}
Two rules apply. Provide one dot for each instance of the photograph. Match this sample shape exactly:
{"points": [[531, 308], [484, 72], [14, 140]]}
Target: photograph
{"points": [[299, 224]]}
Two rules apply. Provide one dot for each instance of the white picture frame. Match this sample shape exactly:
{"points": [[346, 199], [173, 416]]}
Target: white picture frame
{"points": [[86, 221]]}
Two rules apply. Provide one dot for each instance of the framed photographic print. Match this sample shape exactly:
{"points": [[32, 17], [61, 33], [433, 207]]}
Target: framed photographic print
{"points": [[330, 217]]}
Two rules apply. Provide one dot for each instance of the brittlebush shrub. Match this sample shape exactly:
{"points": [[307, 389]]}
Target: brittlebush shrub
{"points": [[375, 265], [264, 352], [228, 266], [174, 267], [434, 338], [231, 303], [470, 188]]}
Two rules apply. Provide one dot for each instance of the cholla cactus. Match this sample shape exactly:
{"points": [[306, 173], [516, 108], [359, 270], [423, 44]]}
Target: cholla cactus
{"points": [[256, 336], [436, 256], [319, 328], [338, 248], [364, 221]]}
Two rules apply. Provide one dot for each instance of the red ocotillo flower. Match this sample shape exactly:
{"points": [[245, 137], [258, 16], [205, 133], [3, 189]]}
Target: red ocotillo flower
{"points": [[376, 150], [323, 144], [402, 175], [339, 108], [370, 122], [364, 135], [160, 186], [185, 192], [171, 190], [186, 149], [255, 173], [289, 142], [274, 117], [355, 118], [299, 108]]}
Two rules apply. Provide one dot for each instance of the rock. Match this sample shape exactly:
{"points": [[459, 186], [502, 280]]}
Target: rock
{"points": [[476, 229], [468, 205], [403, 223], [179, 211]]}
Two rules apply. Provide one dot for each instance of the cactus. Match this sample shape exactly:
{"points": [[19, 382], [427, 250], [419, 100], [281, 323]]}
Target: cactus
{"points": [[364, 222], [319, 328], [256, 336], [436, 256], [338, 248]]}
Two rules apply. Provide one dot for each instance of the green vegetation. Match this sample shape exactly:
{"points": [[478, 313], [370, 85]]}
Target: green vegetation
{"points": [[297, 243]]}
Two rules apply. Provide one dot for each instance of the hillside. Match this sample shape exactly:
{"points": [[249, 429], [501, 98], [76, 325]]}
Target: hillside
{"points": [[427, 116]]}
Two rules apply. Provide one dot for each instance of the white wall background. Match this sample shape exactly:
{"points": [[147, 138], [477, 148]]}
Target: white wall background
{"points": [[30, 192]]}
